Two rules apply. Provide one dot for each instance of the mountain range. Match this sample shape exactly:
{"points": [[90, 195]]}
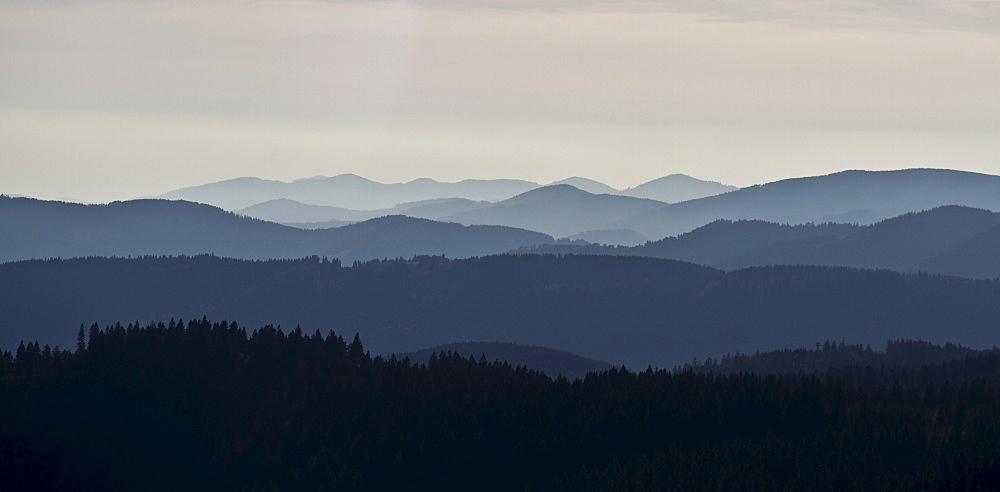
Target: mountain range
{"points": [[951, 240], [351, 191], [844, 196], [575, 212]]}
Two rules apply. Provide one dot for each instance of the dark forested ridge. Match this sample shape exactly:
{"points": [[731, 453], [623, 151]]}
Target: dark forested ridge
{"points": [[948, 240], [45, 229], [624, 310], [914, 362], [176, 405]]}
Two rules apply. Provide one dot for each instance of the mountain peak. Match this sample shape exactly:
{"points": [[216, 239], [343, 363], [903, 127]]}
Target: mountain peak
{"points": [[675, 188], [588, 185]]}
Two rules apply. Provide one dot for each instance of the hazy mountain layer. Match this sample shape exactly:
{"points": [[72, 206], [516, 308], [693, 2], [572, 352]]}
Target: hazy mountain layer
{"points": [[286, 211], [857, 194], [345, 191], [625, 310], [558, 210], [948, 240], [41, 229], [354, 192]]}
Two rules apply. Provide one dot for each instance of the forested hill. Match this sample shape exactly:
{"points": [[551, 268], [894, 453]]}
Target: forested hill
{"points": [[624, 310], [46, 229], [948, 240], [168, 405]]}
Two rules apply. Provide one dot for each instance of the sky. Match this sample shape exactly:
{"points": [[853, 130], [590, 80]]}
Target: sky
{"points": [[111, 100]]}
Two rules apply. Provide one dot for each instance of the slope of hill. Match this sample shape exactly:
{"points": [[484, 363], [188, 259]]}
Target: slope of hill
{"points": [[558, 210], [283, 210], [552, 362], [901, 243], [803, 200], [677, 188], [976, 257], [948, 240], [713, 244], [286, 211], [588, 185], [624, 310], [438, 208], [41, 229]]}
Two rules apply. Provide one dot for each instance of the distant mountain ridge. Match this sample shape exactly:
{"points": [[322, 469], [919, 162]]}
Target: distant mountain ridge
{"points": [[353, 192], [41, 229], [874, 194], [345, 191], [862, 197], [949, 240]]}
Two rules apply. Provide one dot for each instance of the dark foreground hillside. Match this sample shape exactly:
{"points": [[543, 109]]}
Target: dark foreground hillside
{"points": [[206, 405], [624, 310]]}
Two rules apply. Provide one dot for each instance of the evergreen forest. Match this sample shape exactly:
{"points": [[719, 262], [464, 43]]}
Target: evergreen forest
{"points": [[218, 406]]}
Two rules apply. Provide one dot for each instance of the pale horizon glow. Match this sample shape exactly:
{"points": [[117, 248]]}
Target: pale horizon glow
{"points": [[114, 100]]}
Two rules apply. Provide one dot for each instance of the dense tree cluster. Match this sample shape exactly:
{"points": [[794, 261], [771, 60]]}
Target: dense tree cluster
{"points": [[828, 355], [179, 404]]}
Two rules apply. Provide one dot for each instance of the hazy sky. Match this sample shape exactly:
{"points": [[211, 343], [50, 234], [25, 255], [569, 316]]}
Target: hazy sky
{"points": [[110, 100]]}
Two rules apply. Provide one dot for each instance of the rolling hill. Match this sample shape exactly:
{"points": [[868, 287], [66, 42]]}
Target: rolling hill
{"points": [[677, 188], [848, 194], [291, 212], [558, 210], [43, 229], [949, 240], [624, 310], [345, 191]]}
